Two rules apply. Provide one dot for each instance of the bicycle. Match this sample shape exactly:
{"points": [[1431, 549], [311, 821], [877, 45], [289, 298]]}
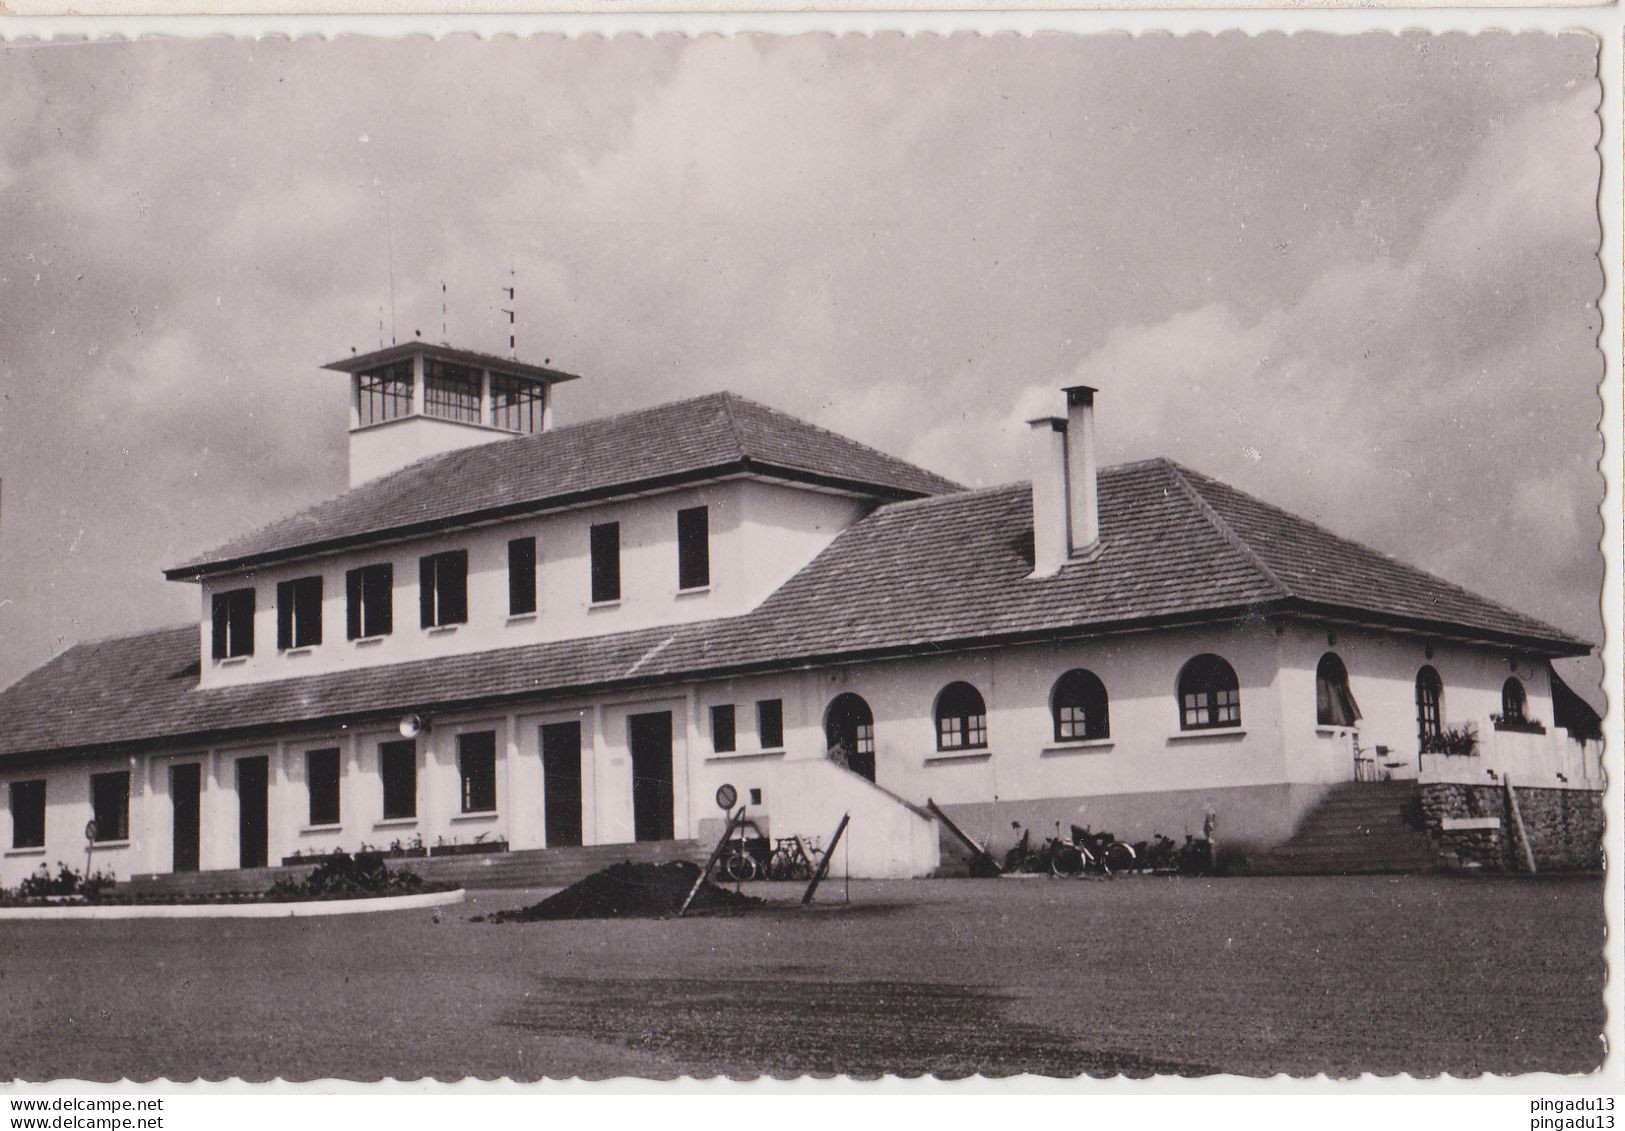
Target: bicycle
{"points": [[794, 859], [1103, 854]]}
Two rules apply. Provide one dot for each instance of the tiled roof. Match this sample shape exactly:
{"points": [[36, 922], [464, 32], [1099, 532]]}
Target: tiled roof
{"points": [[936, 572], [684, 442]]}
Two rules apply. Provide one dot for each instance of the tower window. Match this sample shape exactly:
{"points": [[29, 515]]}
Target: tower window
{"points": [[516, 404], [385, 393], [451, 392]]}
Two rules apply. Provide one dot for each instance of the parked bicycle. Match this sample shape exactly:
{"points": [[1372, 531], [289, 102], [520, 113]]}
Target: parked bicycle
{"points": [[1102, 853], [794, 859]]}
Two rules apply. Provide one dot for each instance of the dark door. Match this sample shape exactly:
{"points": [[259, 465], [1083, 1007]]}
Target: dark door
{"points": [[561, 783], [186, 795], [849, 730], [652, 798], [253, 780]]}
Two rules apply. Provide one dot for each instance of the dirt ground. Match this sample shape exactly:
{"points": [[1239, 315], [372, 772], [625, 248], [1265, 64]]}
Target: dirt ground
{"points": [[1250, 976]]}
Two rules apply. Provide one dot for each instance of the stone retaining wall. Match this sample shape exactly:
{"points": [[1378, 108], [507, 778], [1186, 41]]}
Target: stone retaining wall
{"points": [[1564, 826]]}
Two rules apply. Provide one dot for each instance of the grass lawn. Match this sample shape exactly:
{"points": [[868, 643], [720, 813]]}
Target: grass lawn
{"points": [[951, 977]]}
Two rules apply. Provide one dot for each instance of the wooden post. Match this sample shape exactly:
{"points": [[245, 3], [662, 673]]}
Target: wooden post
{"points": [[1517, 825], [823, 865], [734, 820]]}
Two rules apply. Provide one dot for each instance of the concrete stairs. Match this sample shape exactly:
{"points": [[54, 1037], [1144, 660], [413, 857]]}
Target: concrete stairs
{"points": [[533, 868], [1357, 828]]}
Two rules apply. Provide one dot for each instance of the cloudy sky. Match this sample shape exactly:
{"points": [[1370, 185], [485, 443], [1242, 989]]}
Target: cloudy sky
{"points": [[1354, 276]]}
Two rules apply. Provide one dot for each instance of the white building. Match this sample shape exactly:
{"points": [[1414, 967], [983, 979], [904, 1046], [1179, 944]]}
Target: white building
{"points": [[507, 632]]}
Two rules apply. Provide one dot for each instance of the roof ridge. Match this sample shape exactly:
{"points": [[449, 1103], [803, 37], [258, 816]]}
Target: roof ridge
{"points": [[732, 396], [733, 423], [1225, 530]]}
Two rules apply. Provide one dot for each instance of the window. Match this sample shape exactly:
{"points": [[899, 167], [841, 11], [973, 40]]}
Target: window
{"points": [[28, 814], [385, 394], [961, 718], [1077, 705], [516, 404], [443, 588], [1429, 706], [693, 548], [477, 766], [770, 723], [605, 539], [398, 766], [322, 781], [234, 624], [369, 601], [1334, 701], [1209, 694], [451, 392], [1514, 701], [299, 613], [723, 739], [110, 805], [521, 576]]}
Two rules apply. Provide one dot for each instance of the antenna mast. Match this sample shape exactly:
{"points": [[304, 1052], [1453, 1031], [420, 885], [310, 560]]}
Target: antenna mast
{"points": [[510, 311]]}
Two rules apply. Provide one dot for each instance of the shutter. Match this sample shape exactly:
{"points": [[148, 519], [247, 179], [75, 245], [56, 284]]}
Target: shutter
{"points": [[521, 576], [352, 604], [286, 594], [454, 587], [426, 592], [221, 620], [381, 600], [244, 628]]}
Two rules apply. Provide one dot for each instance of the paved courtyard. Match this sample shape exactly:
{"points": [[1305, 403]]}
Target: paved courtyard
{"points": [[1250, 976]]}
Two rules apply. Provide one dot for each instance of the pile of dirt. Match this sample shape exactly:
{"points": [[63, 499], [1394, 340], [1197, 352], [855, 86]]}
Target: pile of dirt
{"points": [[639, 891]]}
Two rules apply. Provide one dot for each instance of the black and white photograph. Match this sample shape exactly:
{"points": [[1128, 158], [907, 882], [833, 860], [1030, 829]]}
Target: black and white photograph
{"points": [[802, 555]]}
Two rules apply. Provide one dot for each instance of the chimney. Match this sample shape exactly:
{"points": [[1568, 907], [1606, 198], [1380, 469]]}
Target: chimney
{"points": [[1051, 545], [1083, 505]]}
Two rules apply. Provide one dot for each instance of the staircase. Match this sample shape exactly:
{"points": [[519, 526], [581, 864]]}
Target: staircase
{"points": [[1357, 827], [533, 868]]}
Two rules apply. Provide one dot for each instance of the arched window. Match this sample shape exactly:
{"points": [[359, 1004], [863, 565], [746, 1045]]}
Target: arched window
{"points": [[1078, 705], [1429, 706], [1514, 701], [1334, 701], [1209, 694], [849, 733], [961, 718]]}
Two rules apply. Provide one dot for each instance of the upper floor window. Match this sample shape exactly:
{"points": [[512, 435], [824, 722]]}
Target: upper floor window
{"points": [[516, 404], [1078, 706], [234, 623], [28, 814], [110, 805], [477, 769], [443, 588], [1334, 700], [605, 548], [384, 393], [1429, 706], [1209, 694], [322, 782], [961, 718], [299, 613], [369, 601], [521, 576], [398, 767], [693, 548], [723, 739], [451, 392], [770, 723], [1514, 701]]}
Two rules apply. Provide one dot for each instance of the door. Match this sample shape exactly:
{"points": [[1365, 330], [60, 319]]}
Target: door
{"points": [[186, 796], [652, 795], [253, 826], [561, 783], [849, 733]]}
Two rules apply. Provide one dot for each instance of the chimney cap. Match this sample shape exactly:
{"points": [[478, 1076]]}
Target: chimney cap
{"points": [[1079, 395], [1056, 423]]}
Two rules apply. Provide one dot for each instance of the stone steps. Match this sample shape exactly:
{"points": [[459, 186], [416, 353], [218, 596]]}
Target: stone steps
{"points": [[1357, 828], [538, 868]]}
